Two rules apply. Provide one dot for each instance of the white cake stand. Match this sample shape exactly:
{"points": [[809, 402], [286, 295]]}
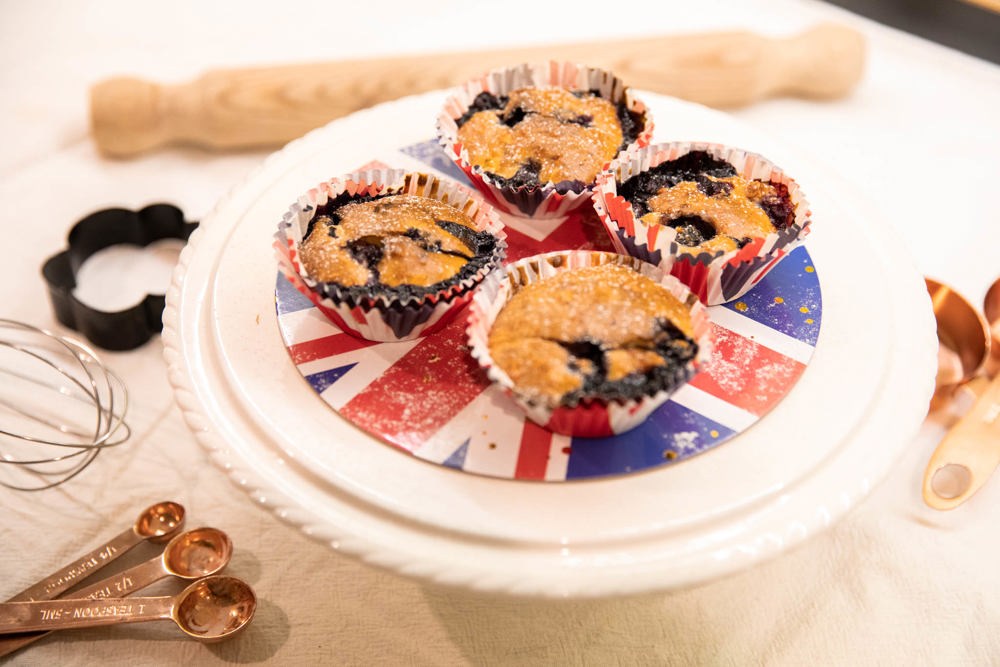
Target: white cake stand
{"points": [[815, 455]]}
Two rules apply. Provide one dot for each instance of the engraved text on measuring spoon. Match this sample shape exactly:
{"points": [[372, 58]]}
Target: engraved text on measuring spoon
{"points": [[157, 523]]}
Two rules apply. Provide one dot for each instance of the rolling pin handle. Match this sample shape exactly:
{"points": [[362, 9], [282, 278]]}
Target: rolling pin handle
{"points": [[126, 116], [824, 62]]}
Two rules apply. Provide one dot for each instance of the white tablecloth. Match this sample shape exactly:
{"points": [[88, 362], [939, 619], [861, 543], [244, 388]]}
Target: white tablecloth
{"points": [[893, 582]]}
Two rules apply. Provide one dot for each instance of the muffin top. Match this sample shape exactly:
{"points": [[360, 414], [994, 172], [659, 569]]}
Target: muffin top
{"points": [[393, 240], [541, 135], [711, 206], [600, 331]]}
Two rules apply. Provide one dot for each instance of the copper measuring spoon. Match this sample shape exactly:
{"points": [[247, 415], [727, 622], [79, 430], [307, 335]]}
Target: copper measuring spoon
{"points": [[209, 610], [191, 555], [157, 523], [973, 444]]}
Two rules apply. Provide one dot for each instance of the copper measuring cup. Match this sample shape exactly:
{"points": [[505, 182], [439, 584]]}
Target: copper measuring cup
{"points": [[991, 308], [973, 444]]}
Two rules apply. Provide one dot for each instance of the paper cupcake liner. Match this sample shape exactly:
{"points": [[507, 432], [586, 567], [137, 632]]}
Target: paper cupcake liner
{"points": [[382, 313], [715, 277], [589, 417], [545, 200]]}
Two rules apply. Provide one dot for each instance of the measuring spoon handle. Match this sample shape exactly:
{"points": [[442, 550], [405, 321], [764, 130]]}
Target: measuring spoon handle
{"points": [[125, 583], [64, 614], [115, 586], [62, 579], [973, 443]]}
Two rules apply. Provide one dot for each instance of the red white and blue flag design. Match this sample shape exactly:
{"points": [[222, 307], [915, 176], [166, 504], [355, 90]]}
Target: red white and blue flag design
{"points": [[430, 398]]}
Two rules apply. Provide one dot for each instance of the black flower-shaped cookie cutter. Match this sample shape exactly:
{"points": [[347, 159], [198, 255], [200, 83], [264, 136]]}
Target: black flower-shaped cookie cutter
{"points": [[124, 329]]}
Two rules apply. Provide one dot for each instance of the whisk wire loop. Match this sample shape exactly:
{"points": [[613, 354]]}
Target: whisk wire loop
{"points": [[59, 396]]}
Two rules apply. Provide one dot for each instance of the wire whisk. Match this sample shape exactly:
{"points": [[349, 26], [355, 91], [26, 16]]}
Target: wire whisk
{"points": [[60, 407]]}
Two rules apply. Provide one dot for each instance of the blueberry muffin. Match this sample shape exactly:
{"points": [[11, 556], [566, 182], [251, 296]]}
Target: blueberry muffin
{"points": [[533, 136], [603, 331], [716, 217], [712, 207], [387, 254], [396, 242]]}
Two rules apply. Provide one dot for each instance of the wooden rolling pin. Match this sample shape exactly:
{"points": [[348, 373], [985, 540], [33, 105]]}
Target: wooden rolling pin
{"points": [[269, 106]]}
